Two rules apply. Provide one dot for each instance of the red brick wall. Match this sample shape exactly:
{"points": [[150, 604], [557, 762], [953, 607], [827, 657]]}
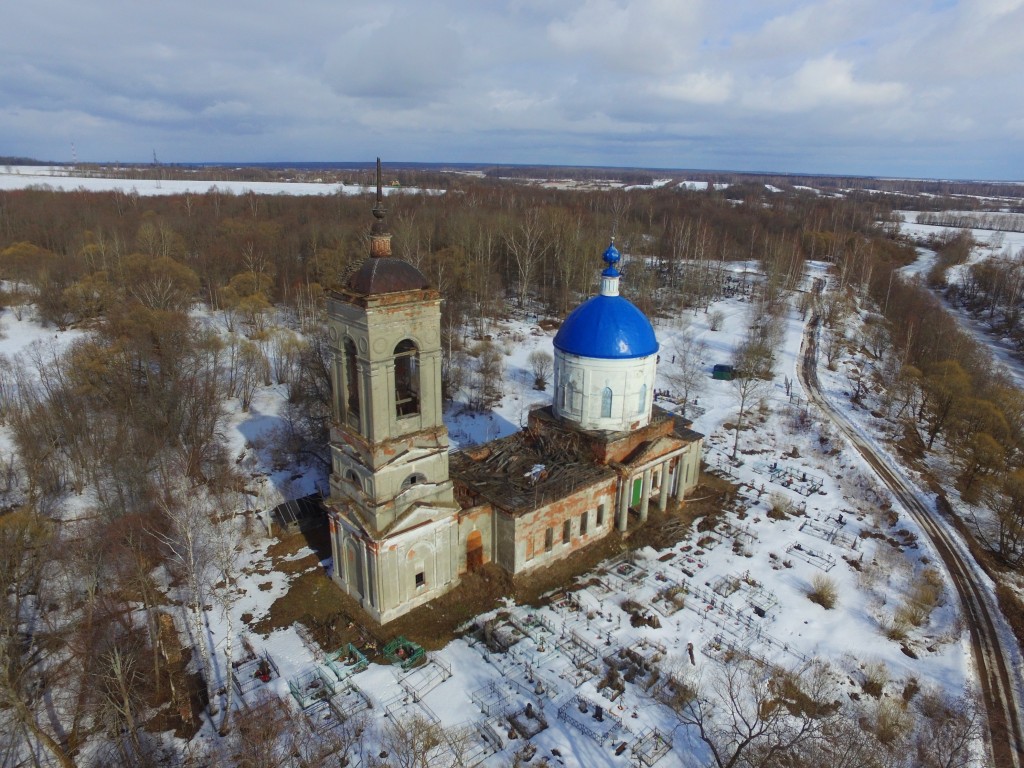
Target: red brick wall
{"points": [[621, 449], [531, 528]]}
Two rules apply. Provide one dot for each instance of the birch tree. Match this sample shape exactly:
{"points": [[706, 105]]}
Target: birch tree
{"points": [[526, 244], [223, 553], [746, 388], [190, 557], [24, 542], [688, 374]]}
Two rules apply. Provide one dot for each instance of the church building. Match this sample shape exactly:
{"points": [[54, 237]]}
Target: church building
{"points": [[407, 518]]}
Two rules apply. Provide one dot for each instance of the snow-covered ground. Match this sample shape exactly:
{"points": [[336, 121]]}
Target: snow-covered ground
{"points": [[61, 178], [989, 240], [749, 564], [744, 584], [989, 243]]}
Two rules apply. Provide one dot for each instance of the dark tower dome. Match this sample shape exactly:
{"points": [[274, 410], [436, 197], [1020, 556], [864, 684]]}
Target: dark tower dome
{"points": [[386, 274], [382, 272]]}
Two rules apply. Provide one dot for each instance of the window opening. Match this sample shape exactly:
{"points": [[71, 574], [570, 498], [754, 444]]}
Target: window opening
{"points": [[606, 403], [566, 531], [407, 379], [414, 479], [583, 523], [353, 478], [574, 398]]}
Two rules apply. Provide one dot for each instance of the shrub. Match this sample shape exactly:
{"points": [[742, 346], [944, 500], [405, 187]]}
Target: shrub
{"points": [[780, 507], [911, 689], [876, 675], [891, 721], [896, 628], [823, 591], [925, 594], [675, 595]]}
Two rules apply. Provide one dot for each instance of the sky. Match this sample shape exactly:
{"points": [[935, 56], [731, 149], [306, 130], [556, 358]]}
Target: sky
{"points": [[920, 88]]}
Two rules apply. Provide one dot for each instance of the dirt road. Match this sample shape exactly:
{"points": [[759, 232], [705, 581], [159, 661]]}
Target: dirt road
{"points": [[995, 673]]}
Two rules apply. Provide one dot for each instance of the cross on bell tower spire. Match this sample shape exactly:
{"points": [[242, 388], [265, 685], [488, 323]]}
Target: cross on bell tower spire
{"points": [[380, 238]]}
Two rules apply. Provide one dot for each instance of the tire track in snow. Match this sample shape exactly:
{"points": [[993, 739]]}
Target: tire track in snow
{"points": [[994, 671]]}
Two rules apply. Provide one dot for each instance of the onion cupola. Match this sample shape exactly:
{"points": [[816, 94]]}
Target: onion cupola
{"points": [[605, 359]]}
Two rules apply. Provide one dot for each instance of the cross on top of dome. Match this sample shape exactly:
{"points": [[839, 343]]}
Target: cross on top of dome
{"points": [[611, 258], [607, 326]]}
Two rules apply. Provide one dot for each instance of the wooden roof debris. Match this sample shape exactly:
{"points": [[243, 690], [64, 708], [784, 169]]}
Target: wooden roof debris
{"points": [[525, 471]]}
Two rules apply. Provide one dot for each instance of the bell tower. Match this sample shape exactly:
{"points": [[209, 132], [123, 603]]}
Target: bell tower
{"points": [[389, 444]]}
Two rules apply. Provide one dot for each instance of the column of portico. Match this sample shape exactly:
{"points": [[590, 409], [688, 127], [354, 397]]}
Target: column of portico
{"points": [[645, 496], [622, 515], [681, 464], [663, 490]]}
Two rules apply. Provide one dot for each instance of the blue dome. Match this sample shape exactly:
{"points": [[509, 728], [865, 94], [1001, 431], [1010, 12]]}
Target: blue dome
{"points": [[607, 327]]}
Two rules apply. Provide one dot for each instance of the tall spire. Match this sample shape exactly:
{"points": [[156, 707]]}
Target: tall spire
{"points": [[380, 238]]}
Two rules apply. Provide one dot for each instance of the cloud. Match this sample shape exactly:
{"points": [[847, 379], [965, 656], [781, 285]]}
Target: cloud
{"points": [[782, 84], [409, 58], [648, 36], [827, 82], [809, 28], [696, 88]]}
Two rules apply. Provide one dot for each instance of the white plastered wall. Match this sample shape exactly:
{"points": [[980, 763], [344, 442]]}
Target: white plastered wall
{"points": [[590, 375]]}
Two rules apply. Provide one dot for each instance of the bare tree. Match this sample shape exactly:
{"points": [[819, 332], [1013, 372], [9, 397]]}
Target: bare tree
{"points": [[485, 378], [687, 372], [416, 742], [223, 547], [526, 243], [260, 740], [336, 746], [252, 371], [190, 557], [747, 386], [120, 681], [834, 346], [949, 730], [844, 743], [285, 356], [24, 540], [542, 364], [748, 713]]}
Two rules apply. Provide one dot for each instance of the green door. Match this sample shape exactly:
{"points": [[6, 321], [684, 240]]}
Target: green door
{"points": [[638, 487]]}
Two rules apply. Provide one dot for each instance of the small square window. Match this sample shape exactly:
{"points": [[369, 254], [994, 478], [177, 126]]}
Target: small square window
{"points": [[421, 580]]}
